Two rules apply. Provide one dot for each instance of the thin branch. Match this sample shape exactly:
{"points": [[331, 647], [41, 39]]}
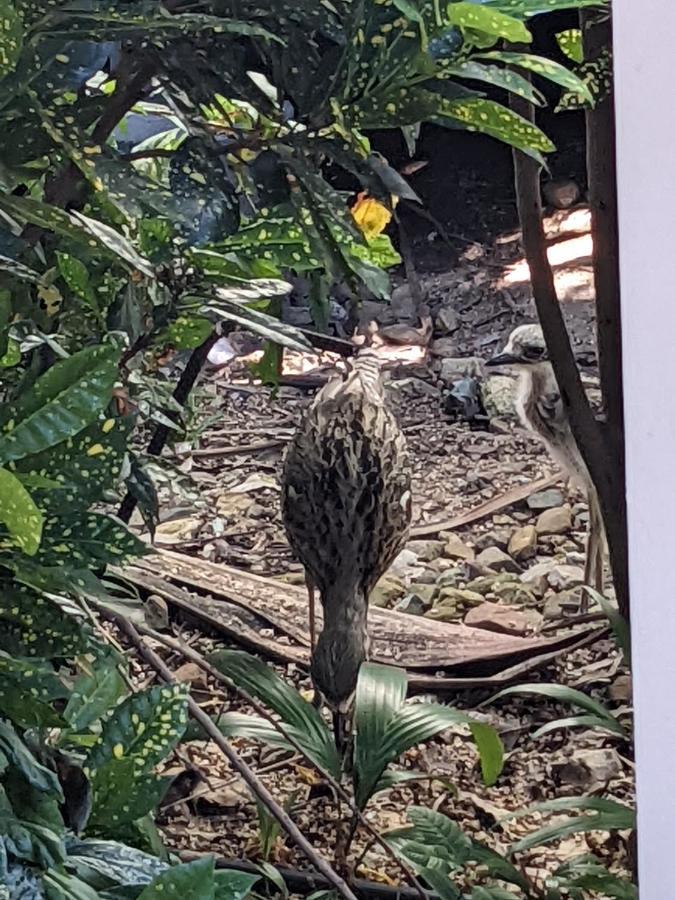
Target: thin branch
{"points": [[257, 788], [205, 666]]}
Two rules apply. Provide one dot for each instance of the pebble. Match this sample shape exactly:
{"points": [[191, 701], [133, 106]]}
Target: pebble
{"points": [[523, 543], [559, 605], [498, 538], [451, 604], [484, 584], [455, 548], [447, 321], [454, 368], [387, 589], [444, 347], [515, 592], [411, 604], [545, 499], [565, 577], [554, 521], [495, 559], [536, 577], [589, 770], [503, 619], [426, 551]]}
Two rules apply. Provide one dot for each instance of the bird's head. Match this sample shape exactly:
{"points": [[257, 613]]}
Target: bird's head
{"points": [[525, 347], [335, 665]]}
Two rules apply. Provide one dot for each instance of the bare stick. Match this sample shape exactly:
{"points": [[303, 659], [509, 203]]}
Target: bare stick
{"points": [[257, 788]]}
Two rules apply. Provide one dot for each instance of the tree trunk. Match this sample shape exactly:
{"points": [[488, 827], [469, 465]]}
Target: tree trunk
{"points": [[601, 170]]}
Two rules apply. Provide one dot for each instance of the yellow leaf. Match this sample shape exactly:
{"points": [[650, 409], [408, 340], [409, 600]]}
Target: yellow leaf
{"points": [[371, 216], [376, 875]]}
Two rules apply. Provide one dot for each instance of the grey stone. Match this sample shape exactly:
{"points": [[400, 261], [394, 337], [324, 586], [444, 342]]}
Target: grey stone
{"points": [[451, 604], [447, 321], [388, 589], [545, 499], [503, 619], [424, 592], [485, 584], [443, 347], [555, 521], [412, 605], [455, 548], [496, 538], [495, 559], [536, 577], [426, 550], [564, 577], [589, 769], [515, 592], [561, 604], [523, 543], [402, 304]]}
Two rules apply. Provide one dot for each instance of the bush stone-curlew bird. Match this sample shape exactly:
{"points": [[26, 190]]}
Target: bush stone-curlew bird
{"points": [[346, 504], [541, 410]]}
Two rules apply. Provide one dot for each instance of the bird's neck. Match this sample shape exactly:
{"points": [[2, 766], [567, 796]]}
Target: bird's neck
{"points": [[344, 611]]}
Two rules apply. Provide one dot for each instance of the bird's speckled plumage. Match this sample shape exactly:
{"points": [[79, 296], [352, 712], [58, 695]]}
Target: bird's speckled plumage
{"points": [[346, 506]]}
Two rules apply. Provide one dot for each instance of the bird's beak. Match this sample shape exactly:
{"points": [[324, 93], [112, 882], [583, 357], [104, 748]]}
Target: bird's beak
{"points": [[503, 359]]}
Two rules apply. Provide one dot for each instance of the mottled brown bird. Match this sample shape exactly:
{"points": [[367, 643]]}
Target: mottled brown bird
{"points": [[541, 409], [346, 507]]}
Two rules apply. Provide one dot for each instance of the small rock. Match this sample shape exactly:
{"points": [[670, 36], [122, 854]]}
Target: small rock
{"points": [[447, 321], [423, 592], [563, 577], [545, 499], [590, 769], [402, 304], [426, 550], [452, 577], [388, 589], [451, 604], [515, 592], [536, 577], [555, 521], [443, 347], [412, 605], [523, 543], [559, 605], [621, 690], [456, 367], [455, 548], [502, 619], [190, 672], [503, 519], [484, 584], [498, 538], [499, 396], [495, 559], [291, 577], [561, 193]]}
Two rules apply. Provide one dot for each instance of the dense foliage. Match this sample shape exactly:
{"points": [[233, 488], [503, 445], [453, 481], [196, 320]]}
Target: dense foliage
{"points": [[164, 168]]}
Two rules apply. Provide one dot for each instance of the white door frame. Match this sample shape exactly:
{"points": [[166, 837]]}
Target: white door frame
{"points": [[644, 60]]}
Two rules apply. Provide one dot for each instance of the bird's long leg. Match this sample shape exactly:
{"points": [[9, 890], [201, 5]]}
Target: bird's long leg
{"points": [[593, 570]]}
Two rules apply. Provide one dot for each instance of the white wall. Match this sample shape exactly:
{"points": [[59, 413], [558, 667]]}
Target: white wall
{"points": [[645, 100]]}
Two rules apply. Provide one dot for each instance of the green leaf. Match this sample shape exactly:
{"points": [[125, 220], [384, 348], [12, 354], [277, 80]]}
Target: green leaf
{"points": [[86, 540], [75, 226], [490, 750], [579, 722], [114, 861], [563, 694], [488, 20], [187, 332], [492, 118], [19, 514], [548, 69], [26, 691], [121, 795], [298, 716], [93, 695], [264, 325], [267, 369], [571, 44], [81, 469], [617, 623], [502, 78], [386, 728], [11, 37], [62, 886], [76, 276], [232, 885], [378, 251], [608, 815], [527, 8], [145, 727], [61, 403], [39, 777], [586, 873], [190, 881], [36, 624], [434, 843]]}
